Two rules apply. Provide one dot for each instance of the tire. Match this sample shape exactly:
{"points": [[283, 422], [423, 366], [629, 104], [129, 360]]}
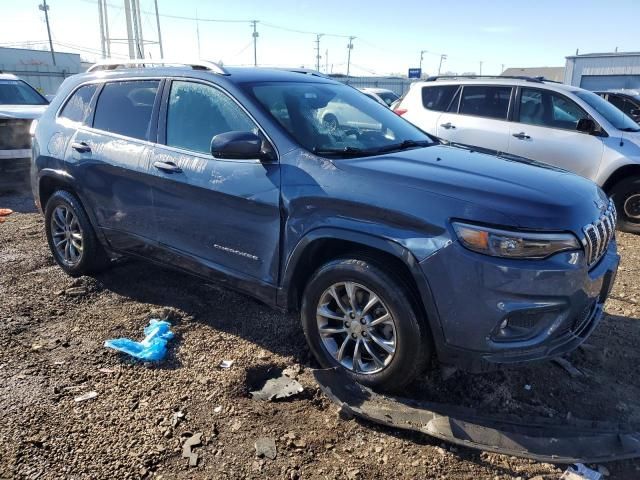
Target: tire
{"points": [[407, 327], [66, 223], [330, 122], [626, 195]]}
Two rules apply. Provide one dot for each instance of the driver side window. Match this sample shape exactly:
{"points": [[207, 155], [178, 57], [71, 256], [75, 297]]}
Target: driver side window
{"points": [[197, 112], [548, 109]]}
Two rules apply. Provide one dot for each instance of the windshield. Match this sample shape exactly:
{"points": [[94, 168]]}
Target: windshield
{"points": [[336, 120], [613, 115], [17, 92]]}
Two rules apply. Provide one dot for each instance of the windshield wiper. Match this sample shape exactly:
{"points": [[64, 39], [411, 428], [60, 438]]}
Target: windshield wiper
{"points": [[403, 145], [345, 152]]}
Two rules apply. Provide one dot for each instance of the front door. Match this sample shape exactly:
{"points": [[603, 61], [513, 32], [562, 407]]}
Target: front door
{"points": [[218, 214], [545, 130]]}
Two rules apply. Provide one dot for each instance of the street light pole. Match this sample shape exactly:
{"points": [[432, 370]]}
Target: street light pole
{"points": [[45, 8], [422, 52], [442, 57]]}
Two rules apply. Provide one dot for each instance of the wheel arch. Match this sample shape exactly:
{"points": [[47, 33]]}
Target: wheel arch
{"points": [[622, 173]]}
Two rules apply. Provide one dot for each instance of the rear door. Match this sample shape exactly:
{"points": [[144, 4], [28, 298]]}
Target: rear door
{"points": [[223, 215], [110, 159], [545, 130], [480, 118], [432, 101]]}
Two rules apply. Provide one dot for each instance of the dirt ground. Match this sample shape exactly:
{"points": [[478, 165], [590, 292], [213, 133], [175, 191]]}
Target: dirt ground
{"points": [[52, 330]]}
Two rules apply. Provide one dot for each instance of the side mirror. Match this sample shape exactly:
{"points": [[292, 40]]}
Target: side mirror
{"points": [[238, 145], [586, 125]]}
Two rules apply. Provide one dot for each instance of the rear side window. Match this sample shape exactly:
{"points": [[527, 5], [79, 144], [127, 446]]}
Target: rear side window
{"points": [[77, 107], [438, 98], [197, 112], [485, 101], [125, 108]]}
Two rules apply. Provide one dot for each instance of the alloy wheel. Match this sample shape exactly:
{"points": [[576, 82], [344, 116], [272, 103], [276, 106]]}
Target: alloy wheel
{"points": [[356, 327], [66, 235], [632, 206]]}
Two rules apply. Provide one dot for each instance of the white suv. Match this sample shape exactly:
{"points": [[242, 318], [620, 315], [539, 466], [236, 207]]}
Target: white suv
{"points": [[544, 121]]}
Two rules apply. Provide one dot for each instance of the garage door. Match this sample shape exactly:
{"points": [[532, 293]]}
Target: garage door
{"points": [[607, 82]]}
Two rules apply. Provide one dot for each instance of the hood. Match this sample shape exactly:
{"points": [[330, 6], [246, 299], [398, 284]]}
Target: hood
{"points": [[533, 195], [26, 112]]}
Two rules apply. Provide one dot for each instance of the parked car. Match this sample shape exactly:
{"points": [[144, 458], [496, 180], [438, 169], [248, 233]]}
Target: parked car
{"points": [[626, 100], [20, 104], [382, 95], [394, 247], [545, 121]]}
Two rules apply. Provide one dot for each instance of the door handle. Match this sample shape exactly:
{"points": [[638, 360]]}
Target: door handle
{"points": [[81, 147], [448, 125], [168, 167], [522, 136]]}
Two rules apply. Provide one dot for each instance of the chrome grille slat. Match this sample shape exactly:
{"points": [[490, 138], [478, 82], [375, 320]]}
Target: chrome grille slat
{"points": [[598, 235]]}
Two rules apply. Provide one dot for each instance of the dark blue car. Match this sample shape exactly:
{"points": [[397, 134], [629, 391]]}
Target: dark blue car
{"points": [[395, 248]]}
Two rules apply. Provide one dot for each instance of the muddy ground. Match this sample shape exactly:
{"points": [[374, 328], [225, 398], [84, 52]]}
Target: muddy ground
{"points": [[52, 330]]}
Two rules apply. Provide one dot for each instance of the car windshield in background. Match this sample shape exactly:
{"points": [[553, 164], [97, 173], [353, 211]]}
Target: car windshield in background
{"points": [[388, 97], [17, 92], [613, 115], [336, 120]]}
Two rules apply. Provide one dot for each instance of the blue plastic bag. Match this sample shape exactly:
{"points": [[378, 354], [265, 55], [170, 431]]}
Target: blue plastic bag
{"points": [[152, 348]]}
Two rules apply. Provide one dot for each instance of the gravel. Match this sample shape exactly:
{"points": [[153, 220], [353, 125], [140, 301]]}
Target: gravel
{"points": [[52, 330]]}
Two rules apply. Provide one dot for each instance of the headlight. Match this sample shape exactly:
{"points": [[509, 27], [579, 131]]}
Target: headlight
{"points": [[513, 244]]}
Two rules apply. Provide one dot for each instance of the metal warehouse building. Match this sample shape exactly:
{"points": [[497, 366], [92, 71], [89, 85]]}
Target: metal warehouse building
{"points": [[603, 71], [36, 67]]}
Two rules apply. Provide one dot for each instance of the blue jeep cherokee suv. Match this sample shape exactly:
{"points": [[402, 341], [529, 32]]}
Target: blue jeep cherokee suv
{"points": [[394, 247]]}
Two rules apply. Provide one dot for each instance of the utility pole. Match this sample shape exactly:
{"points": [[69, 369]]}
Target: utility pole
{"points": [[103, 43], [349, 48], [255, 43], [159, 34], [127, 14], [318, 56], [326, 61], [198, 33], [107, 39], [442, 58], [481, 62], [45, 8], [502, 68], [422, 52]]}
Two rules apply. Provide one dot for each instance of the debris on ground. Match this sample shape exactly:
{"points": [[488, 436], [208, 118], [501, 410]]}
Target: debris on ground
{"points": [[226, 364], [194, 440], [4, 212], [176, 417], [266, 448], [568, 367], [278, 388], [579, 471], [86, 396], [154, 346]]}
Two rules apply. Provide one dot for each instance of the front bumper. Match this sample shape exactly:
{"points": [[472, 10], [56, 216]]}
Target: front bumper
{"points": [[14, 167], [494, 311]]}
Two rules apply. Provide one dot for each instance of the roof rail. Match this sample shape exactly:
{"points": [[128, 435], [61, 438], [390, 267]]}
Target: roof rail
{"points": [[508, 77], [143, 63], [306, 71]]}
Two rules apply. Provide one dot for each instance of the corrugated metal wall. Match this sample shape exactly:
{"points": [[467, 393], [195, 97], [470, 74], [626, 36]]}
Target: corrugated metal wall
{"points": [[603, 72]]}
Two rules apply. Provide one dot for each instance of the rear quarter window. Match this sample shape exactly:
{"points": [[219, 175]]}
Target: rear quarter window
{"points": [[125, 108], [78, 105], [485, 101], [438, 98]]}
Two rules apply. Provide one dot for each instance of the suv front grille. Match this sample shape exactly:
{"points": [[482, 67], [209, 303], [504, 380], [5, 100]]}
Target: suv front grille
{"points": [[599, 233], [14, 134]]}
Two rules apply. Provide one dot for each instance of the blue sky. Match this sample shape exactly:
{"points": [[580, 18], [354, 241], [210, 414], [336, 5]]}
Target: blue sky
{"points": [[389, 35]]}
